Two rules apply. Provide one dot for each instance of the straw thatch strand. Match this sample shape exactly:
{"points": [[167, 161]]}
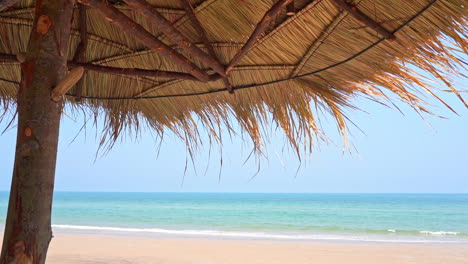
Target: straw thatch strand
{"points": [[317, 42], [298, 69]]}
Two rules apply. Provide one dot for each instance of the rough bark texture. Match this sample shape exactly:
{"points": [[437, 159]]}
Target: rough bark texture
{"points": [[28, 226]]}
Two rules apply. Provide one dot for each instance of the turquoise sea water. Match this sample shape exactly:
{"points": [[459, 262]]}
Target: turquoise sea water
{"points": [[437, 218]]}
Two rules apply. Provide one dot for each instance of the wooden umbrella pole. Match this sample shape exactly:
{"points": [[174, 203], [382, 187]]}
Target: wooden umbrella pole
{"points": [[82, 46], [352, 9], [201, 32], [118, 18], [259, 29], [165, 26], [28, 228]]}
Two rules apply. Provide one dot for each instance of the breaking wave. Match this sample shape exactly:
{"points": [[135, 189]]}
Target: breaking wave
{"points": [[263, 235]]}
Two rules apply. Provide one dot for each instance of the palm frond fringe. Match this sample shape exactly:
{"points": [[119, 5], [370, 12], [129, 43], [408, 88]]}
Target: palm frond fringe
{"points": [[317, 61]]}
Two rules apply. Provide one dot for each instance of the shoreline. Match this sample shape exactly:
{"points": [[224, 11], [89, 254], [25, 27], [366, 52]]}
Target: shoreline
{"points": [[423, 237], [100, 248]]}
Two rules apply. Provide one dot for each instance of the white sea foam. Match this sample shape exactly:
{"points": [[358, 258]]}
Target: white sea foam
{"points": [[439, 233], [240, 234], [391, 230]]}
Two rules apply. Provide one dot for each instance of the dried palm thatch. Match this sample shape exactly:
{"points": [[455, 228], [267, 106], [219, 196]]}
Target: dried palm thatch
{"points": [[314, 57]]}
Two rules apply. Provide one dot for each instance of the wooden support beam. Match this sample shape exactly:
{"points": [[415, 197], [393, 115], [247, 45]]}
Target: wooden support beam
{"points": [[201, 32], [354, 11], [8, 57], [133, 71], [165, 26], [259, 29], [5, 4], [116, 17], [21, 57], [124, 71], [291, 9], [67, 83], [82, 46]]}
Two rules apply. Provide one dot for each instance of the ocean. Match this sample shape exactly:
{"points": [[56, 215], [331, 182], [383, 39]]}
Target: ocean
{"points": [[410, 218]]}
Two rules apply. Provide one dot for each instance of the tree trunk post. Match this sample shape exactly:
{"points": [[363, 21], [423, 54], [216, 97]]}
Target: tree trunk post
{"points": [[28, 225]]}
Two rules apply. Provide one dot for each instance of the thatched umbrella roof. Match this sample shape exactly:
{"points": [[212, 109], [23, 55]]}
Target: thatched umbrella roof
{"points": [[305, 58]]}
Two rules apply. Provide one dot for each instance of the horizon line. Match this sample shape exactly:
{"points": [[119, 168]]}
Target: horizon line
{"points": [[235, 192]]}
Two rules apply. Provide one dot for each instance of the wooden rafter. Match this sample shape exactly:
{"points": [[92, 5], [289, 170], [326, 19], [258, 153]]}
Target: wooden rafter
{"points": [[291, 9], [273, 67], [83, 26], [118, 18], [133, 71], [4, 4], [8, 57], [286, 22], [165, 26], [354, 11], [201, 32], [82, 46], [147, 51], [122, 71], [236, 45], [259, 29]]}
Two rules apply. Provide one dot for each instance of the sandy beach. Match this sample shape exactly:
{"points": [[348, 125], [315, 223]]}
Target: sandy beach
{"points": [[96, 249]]}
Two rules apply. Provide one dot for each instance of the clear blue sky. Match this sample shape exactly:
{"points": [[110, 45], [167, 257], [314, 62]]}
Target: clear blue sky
{"points": [[396, 154]]}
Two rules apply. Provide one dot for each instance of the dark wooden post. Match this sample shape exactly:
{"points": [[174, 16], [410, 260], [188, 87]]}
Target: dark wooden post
{"points": [[28, 225]]}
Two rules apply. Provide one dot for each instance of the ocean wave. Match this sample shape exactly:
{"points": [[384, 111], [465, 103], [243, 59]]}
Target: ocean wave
{"points": [[245, 235], [439, 233], [424, 232]]}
